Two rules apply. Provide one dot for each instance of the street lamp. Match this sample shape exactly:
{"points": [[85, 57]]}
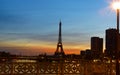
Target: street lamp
{"points": [[116, 6]]}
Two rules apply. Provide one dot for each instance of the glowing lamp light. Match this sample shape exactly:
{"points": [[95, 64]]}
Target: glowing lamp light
{"points": [[116, 5]]}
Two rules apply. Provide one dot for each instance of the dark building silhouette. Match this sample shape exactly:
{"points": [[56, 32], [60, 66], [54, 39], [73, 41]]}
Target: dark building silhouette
{"points": [[111, 42], [4, 54], [86, 54], [97, 46], [59, 51]]}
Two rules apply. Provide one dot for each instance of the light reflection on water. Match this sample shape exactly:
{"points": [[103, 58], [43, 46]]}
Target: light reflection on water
{"points": [[24, 60]]}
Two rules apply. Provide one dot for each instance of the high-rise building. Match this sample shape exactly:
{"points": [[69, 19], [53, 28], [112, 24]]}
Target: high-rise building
{"points": [[97, 46], [111, 42]]}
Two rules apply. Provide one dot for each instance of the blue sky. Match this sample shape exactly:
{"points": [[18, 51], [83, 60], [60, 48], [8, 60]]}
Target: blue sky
{"points": [[30, 23]]}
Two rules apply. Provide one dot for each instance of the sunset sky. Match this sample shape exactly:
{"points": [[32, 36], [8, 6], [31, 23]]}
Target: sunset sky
{"points": [[30, 27]]}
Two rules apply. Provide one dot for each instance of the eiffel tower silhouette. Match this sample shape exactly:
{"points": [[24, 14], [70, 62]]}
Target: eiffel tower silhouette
{"points": [[59, 51]]}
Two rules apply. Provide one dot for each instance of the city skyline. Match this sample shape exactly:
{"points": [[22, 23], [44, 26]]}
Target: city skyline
{"points": [[31, 27]]}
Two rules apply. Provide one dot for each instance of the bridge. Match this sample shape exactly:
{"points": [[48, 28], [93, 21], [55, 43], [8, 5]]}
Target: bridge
{"points": [[58, 67]]}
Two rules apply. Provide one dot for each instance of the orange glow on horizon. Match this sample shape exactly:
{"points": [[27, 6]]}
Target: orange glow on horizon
{"points": [[41, 48]]}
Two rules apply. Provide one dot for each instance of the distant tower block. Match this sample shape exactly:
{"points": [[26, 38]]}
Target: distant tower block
{"points": [[59, 51]]}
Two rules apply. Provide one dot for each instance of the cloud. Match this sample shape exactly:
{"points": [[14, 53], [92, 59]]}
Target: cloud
{"points": [[44, 42], [77, 36], [49, 37], [28, 37]]}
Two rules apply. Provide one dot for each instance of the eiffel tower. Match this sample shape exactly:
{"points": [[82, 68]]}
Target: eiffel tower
{"points": [[59, 51]]}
